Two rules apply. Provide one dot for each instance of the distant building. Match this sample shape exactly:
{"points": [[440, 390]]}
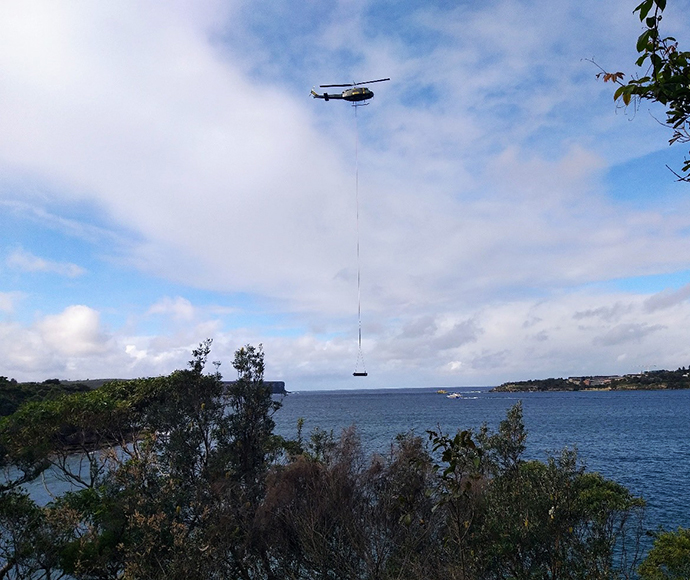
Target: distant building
{"points": [[593, 381], [602, 380]]}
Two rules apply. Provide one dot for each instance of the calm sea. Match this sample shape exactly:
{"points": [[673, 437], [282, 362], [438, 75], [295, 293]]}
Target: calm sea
{"points": [[640, 439]]}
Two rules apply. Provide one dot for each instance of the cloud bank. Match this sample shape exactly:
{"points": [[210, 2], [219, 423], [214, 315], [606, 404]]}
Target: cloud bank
{"points": [[187, 186]]}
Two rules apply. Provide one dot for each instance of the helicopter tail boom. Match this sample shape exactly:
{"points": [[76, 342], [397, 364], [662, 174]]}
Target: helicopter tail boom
{"points": [[326, 96]]}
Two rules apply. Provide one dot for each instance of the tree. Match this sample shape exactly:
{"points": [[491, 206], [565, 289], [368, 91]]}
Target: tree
{"points": [[167, 472], [666, 76], [509, 518], [335, 513], [669, 558], [251, 423]]}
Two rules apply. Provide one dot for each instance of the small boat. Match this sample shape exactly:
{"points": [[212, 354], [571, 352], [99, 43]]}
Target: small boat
{"points": [[442, 391], [454, 396]]}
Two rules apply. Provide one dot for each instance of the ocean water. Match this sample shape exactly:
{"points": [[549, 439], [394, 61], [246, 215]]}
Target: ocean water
{"points": [[640, 439]]}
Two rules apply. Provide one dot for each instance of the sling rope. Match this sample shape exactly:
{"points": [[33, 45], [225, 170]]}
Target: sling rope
{"points": [[360, 356]]}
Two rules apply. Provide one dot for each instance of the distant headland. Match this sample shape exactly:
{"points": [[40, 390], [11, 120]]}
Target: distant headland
{"points": [[648, 380]]}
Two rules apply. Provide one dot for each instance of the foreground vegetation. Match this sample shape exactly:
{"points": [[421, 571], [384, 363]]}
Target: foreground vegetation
{"points": [[183, 477]]}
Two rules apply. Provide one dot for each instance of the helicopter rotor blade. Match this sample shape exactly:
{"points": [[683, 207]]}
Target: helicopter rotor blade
{"points": [[369, 82], [354, 84]]}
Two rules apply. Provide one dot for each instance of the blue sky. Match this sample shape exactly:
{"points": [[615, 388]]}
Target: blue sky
{"points": [[165, 177]]}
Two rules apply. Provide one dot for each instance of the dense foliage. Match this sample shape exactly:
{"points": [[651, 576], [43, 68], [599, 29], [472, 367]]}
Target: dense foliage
{"points": [[669, 559], [14, 394], [182, 477], [666, 76], [550, 384]]}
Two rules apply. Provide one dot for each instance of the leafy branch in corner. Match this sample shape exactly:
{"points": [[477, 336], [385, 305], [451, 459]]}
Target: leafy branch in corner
{"points": [[666, 77]]}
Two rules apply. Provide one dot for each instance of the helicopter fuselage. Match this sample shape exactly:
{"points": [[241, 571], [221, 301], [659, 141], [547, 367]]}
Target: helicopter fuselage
{"points": [[357, 94], [354, 94]]}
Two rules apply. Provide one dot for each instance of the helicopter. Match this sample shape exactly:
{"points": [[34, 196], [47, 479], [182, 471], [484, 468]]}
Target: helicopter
{"points": [[354, 94]]}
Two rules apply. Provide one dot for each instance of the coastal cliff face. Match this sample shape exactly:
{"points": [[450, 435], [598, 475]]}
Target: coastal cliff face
{"points": [[651, 380], [277, 387]]}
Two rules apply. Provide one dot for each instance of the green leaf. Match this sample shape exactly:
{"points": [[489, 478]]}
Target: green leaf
{"points": [[643, 41], [661, 4], [644, 9]]}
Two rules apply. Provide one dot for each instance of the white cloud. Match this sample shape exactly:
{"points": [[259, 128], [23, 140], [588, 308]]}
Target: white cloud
{"points": [[230, 186], [74, 332], [27, 262], [74, 344], [148, 120], [179, 308], [8, 301], [55, 344], [502, 341]]}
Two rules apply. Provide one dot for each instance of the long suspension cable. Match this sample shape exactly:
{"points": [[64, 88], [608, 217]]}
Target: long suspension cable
{"points": [[360, 356]]}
